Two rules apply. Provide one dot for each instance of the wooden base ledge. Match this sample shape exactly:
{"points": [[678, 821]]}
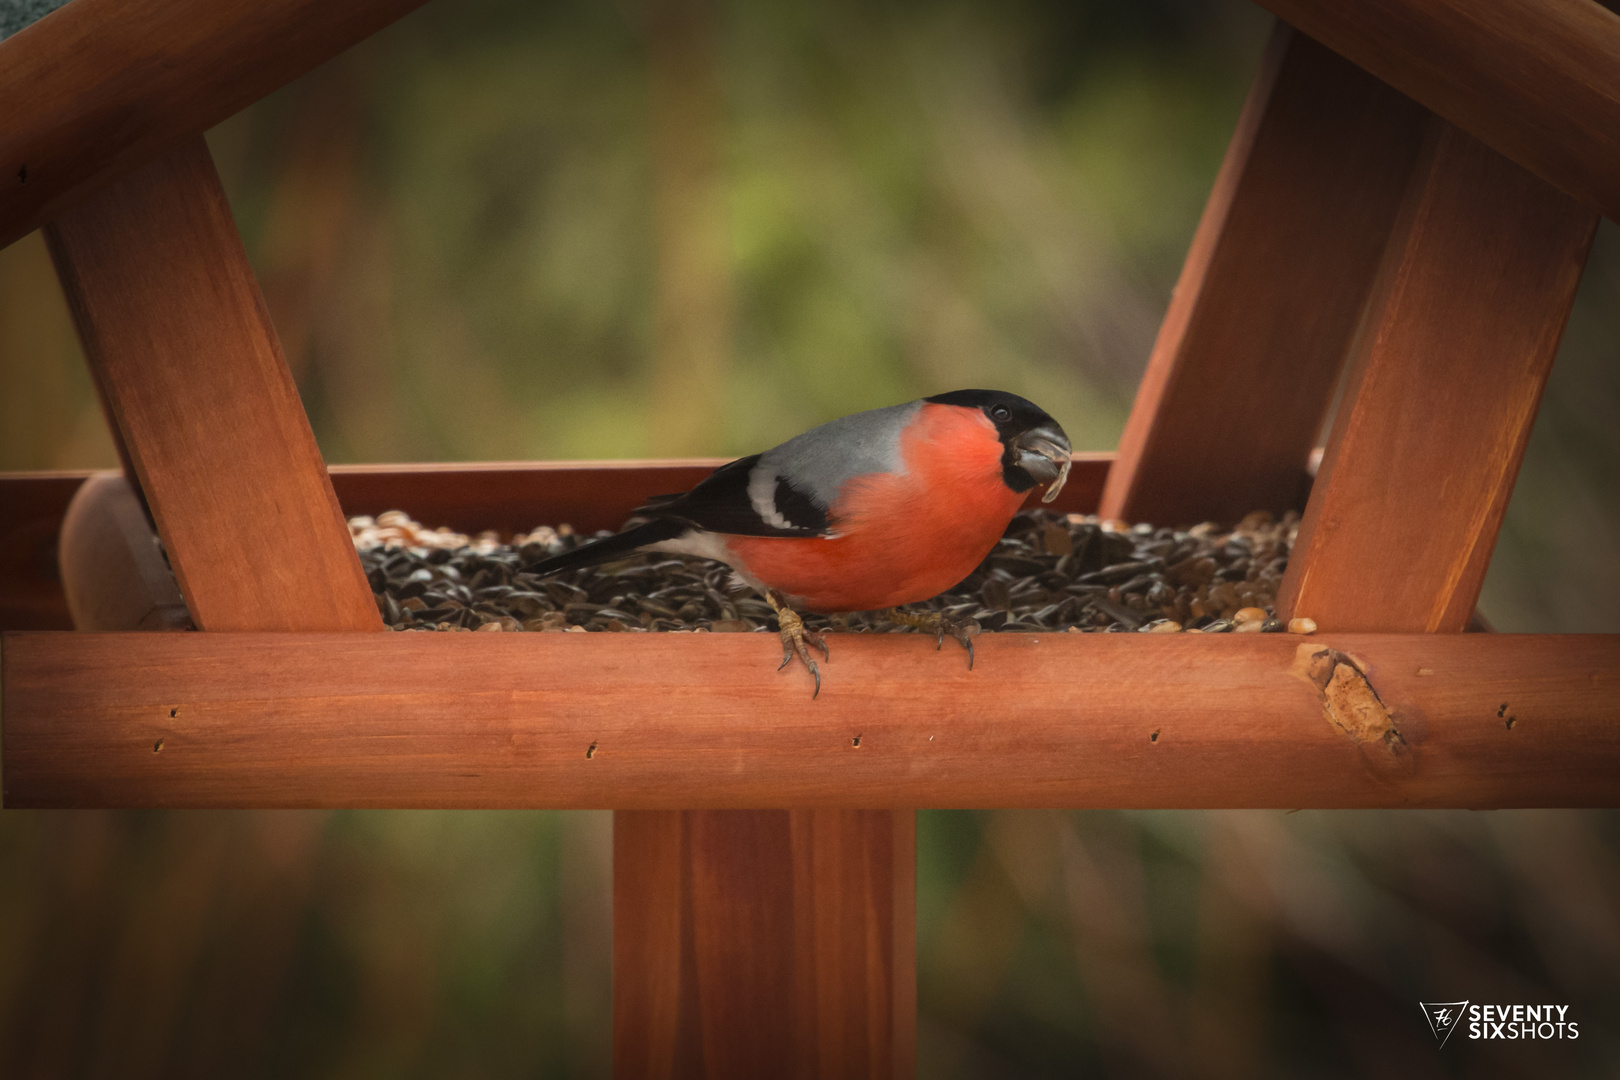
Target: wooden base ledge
{"points": [[649, 721]]}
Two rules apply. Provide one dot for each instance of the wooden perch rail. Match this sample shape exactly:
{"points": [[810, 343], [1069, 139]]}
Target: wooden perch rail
{"points": [[700, 720]]}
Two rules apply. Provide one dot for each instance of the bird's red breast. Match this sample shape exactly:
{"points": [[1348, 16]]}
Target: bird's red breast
{"points": [[899, 537]]}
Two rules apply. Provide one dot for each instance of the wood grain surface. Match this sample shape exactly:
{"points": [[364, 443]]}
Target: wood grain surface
{"points": [[1269, 298], [705, 721], [192, 377], [1537, 80], [1460, 336], [764, 943], [32, 506], [98, 88]]}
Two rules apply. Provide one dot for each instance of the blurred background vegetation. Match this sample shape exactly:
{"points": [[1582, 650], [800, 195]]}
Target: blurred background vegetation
{"points": [[508, 230]]}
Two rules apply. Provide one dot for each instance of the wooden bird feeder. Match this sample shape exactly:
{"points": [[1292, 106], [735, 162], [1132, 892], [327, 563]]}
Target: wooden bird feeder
{"points": [[1409, 198]]}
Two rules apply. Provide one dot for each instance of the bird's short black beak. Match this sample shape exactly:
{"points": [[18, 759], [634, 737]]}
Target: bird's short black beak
{"points": [[1045, 454]]}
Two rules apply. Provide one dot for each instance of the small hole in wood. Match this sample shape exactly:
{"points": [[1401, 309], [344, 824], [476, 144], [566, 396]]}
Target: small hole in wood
{"points": [[157, 746], [856, 741], [173, 713], [1154, 737], [590, 751], [1511, 721], [1502, 710]]}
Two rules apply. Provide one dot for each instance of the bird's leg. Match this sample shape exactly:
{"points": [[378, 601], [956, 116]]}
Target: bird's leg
{"points": [[796, 638], [939, 623]]}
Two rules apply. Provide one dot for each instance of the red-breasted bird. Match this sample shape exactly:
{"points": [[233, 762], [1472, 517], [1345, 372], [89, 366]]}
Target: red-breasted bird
{"points": [[865, 512]]}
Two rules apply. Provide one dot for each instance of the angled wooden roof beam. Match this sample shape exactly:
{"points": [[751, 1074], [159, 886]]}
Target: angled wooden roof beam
{"points": [[1536, 80], [100, 87]]}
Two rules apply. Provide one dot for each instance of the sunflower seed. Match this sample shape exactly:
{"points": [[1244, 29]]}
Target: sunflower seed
{"points": [[1048, 572]]}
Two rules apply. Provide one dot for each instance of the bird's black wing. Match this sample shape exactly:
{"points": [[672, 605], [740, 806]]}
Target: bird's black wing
{"points": [[609, 548], [721, 503]]}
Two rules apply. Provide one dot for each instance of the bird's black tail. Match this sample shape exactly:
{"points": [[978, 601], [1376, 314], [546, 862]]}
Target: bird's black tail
{"points": [[611, 547]]}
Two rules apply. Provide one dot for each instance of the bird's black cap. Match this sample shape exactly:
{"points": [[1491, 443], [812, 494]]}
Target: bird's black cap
{"points": [[1011, 414]]}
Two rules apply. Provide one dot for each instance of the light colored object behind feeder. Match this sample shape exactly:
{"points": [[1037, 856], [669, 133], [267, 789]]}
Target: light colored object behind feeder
{"points": [[113, 569]]}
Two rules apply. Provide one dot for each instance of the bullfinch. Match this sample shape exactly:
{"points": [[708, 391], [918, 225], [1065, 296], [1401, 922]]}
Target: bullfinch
{"points": [[866, 512]]}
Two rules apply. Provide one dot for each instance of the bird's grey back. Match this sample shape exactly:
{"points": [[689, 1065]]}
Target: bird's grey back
{"points": [[819, 462]]}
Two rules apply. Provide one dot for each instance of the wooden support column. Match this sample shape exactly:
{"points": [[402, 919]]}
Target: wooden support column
{"points": [[1268, 301], [1461, 330], [195, 385], [764, 943]]}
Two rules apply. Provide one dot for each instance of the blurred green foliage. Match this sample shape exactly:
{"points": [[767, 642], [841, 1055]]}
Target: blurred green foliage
{"points": [[273, 944], [910, 199], [518, 230]]}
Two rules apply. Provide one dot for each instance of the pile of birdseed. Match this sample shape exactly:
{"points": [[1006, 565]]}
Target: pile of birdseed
{"points": [[1051, 572]]}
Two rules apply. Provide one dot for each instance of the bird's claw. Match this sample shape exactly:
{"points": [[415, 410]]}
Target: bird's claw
{"points": [[940, 624], [817, 639], [798, 640], [962, 630], [967, 643]]}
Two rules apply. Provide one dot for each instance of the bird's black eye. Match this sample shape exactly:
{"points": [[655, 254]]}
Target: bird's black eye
{"points": [[1001, 412]]}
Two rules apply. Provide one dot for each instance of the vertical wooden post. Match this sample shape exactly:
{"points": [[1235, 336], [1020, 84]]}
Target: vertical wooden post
{"points": [[764, 943], [196, 388], [1268, 301], [1467, 313]]}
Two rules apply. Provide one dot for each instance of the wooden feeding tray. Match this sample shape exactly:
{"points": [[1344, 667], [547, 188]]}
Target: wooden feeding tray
{"points": [[649, 721], [763, 859]]}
